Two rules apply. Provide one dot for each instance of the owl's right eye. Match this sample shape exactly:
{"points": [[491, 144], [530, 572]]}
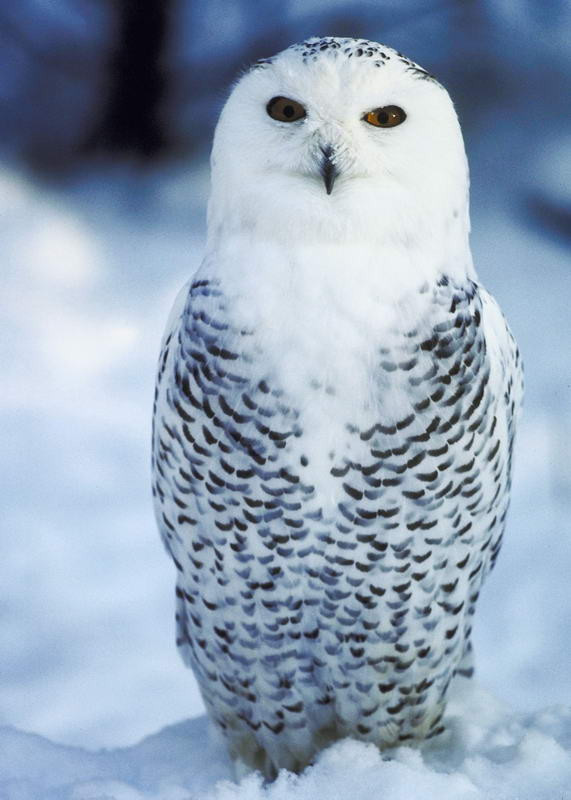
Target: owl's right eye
{"points": [[285, 110]]}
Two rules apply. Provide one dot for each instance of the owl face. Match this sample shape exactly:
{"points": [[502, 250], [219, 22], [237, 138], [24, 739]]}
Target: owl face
{"points": [[345, 131]]}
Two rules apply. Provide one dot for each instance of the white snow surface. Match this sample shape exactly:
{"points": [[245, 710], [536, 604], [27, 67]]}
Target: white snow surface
{"points": [[488, 753]]}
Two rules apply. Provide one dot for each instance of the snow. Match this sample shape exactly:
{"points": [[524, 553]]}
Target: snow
{"points": [[488, 753], [82, 616]]}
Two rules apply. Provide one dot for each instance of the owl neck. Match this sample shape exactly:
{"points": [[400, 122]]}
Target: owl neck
{"points": [[335, 241]]}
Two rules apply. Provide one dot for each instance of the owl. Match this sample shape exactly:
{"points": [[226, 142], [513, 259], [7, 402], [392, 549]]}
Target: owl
{"points": [[335, 410]]}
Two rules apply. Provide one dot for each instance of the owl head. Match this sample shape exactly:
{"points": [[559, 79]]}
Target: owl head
{"points": [[336, 138]]}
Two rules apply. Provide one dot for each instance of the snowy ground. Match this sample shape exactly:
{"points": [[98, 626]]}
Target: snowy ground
{"points": [[488, 753], [86, 618]]}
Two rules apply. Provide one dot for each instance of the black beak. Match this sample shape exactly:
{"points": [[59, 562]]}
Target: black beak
{"points": [[328, 169]]}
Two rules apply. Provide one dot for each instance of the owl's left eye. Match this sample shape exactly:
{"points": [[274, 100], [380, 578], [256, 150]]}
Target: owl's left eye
{"points": [[385, 117], [285, 110]]}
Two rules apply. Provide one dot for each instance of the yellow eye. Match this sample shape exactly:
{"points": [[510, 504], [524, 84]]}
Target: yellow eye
{"points": [[285, 110], [385, 117]]}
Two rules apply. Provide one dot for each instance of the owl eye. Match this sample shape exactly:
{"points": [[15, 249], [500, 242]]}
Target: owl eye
{"points": [[285, 110], [385, 117]]}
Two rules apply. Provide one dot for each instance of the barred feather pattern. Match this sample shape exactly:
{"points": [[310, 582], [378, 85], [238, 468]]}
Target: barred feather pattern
{"points": [[304, 620]]}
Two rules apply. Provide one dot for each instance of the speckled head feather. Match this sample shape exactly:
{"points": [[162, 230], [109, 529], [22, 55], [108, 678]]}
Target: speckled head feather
{"points": [[316, 46], [336, 403]]}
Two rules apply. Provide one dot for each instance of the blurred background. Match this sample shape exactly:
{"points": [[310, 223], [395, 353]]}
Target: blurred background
{"points": [[107, 109]]}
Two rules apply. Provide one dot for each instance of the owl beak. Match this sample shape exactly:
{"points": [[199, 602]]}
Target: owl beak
{"points": [[327, 167]]}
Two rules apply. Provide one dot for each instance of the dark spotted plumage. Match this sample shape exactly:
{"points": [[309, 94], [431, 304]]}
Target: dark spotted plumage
{"points": [[314, 48], [304, 620]]}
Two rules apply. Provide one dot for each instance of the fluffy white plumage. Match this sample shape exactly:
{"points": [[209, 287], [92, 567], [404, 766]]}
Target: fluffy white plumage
{"points": [[335, 410]]}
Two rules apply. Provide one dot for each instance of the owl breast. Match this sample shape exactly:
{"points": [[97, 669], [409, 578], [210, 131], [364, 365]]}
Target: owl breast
{"points": [[331, 518]]}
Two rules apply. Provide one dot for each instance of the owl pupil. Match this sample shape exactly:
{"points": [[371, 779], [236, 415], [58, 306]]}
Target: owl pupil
{"points": [[383, 117], [288, 111]]}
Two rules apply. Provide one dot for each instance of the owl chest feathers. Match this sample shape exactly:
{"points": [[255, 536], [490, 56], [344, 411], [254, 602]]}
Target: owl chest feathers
{"points": [[317, 314], [322, 325]]}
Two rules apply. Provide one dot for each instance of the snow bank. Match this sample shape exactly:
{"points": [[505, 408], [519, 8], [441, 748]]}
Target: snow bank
{"points": [[488, 753]]}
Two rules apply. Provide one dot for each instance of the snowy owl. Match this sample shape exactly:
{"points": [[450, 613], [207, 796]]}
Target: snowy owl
{"points": [[335, 410]]}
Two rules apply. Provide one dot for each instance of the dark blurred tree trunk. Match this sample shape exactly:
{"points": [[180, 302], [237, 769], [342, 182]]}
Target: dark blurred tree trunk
{"points": [[130, 120]]}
